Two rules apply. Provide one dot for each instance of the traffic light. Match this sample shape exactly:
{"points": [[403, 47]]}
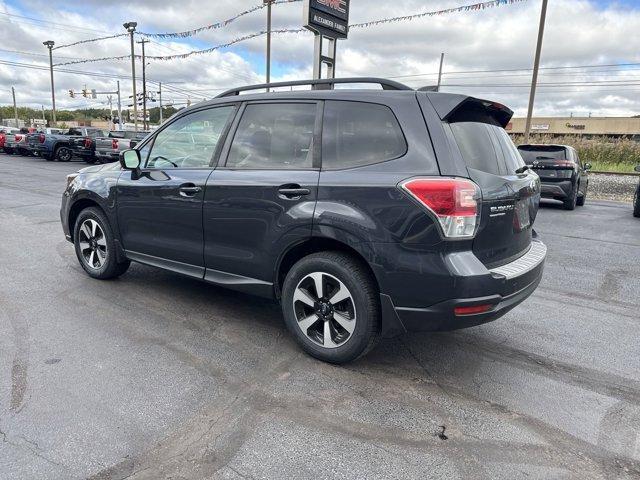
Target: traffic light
{"points": [[72, 94]]}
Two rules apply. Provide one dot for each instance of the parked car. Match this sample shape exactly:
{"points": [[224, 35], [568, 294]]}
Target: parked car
{"points": [[564, 177], [16, 143], [108, 148], [84, 146], [636, 197], [4, 133], [56, 146], [365, 213]]}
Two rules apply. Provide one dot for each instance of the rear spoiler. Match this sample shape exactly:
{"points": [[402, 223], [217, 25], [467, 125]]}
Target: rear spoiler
{"points": [[449, 106]]}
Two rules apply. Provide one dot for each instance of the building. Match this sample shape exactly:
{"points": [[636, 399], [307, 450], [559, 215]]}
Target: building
{"points": [[613, 127]]}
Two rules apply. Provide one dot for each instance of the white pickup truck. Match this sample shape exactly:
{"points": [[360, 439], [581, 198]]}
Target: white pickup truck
{"points": [[108, 148]]}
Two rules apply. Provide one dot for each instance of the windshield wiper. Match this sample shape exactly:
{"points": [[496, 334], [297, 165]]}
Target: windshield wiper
{"points": [[545, 158]]}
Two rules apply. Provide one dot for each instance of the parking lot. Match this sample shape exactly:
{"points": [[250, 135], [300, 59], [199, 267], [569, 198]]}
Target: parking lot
{"points": [[155, 375]]}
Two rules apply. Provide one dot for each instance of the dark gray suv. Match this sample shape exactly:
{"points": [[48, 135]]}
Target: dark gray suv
{"points": [[365, 213]]}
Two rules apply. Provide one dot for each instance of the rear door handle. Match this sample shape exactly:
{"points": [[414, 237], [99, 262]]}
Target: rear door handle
{"points": [[189, 190], [293, 191]]}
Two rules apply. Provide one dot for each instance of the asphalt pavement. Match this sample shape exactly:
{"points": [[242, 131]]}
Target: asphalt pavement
{"points": [[158, 376]]}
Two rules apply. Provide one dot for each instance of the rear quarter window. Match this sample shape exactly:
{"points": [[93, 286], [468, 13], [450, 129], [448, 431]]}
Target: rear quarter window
{"points": [[355, 134]]}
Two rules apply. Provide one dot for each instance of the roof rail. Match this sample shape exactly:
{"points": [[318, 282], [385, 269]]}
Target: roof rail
{"points": [[321, 84]]}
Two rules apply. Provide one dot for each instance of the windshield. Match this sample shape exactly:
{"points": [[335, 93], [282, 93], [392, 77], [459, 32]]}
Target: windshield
{"points": [[541, 152]]}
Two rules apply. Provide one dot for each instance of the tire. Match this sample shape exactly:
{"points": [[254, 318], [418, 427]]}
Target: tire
{"points": [[90, 240], [340, 275], [582, 198], [636, 203], [8, 151], [571, 201], [62, 154]]}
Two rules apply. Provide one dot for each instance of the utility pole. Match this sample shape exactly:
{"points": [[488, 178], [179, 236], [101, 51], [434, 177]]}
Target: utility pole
{"points": [[536, 65], [268, 63], [144, 87], [43, 117], [15, 108], [160, 100], [131, 27], [440, 71], [119, 109], [49, 44]]}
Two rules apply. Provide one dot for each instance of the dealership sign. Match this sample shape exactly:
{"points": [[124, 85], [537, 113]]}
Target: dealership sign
{"points": [[540, 126], [327, 17]]}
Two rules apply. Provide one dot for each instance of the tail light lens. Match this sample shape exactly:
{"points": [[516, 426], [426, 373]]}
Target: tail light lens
{"points": [[41, 138], [565, 164], [114, 144], [17, 138], [455, 202], [87, 143]]}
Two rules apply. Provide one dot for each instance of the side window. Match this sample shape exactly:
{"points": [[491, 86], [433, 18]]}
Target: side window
{"points": [[356, 134], [190, 141], [274, 136], [512, 158]]}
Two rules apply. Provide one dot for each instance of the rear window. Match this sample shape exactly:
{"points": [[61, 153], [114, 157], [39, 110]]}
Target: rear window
{"points": [[356, 134], [486, 147], [542, 152]]}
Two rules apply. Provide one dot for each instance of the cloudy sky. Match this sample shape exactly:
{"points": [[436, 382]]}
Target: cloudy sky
{"points": [[488, 53]]}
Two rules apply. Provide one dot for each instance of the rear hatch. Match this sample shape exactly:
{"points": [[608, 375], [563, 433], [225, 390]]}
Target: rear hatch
{"points": [[510, 193], [550, 162]]}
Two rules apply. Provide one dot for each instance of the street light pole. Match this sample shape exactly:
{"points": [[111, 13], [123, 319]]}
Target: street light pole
{"points": [[536, 65], [131, 27], [49, 44], [268, 62], [144, 86]]}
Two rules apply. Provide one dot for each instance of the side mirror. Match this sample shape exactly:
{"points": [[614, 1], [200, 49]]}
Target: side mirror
{"points": [[130, 159], [587, 166], [637, 168]]}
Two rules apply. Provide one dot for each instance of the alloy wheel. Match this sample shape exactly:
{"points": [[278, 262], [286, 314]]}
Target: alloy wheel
{"points": [[64, 155], [324, 309], [93, 244]]}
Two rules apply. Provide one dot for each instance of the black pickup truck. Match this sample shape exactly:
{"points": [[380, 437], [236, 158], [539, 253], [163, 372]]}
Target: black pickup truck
{"points": [[85, 146]]}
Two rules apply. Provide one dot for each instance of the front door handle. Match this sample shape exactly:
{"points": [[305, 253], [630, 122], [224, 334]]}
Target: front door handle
{"points": [[293, 191], [189, 190]]}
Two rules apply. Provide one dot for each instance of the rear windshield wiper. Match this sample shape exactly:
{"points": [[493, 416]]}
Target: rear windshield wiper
{"points": [[545, 158]]}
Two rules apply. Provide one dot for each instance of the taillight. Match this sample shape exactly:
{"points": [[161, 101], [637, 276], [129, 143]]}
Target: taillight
{"points": [[565, 164], [87, 143], [455, 202], [17, 138], [114, 144], [41, 138]]}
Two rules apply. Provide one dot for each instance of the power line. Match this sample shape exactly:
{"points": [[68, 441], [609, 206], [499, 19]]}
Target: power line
{"points": [[30, 21]]}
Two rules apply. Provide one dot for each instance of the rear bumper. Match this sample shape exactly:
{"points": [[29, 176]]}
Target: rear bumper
{"points": [[556, 189], [502, 288]]}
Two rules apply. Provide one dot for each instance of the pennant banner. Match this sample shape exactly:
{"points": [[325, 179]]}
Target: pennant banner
{"points": [[463, 8], [90, 40], [213, 26]]}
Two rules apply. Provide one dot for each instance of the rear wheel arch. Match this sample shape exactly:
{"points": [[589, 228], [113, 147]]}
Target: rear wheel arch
{"points": [[315, 245]]}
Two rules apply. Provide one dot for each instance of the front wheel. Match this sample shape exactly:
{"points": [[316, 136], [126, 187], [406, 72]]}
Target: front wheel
{"points": [[95, 246], [331, 305]]}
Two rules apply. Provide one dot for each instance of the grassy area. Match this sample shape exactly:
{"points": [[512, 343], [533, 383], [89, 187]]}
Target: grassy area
{"points": [[603, 154]]}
